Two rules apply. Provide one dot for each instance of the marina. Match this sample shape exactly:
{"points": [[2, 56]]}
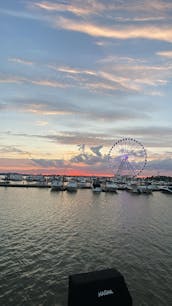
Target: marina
{"points": [[96, 184]]}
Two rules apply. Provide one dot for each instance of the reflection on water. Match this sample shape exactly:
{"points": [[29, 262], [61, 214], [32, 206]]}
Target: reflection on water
{"points": [[45, 236]]}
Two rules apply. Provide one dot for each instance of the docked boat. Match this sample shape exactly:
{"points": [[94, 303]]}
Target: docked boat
{"points": [[136, 188], [83, 183], [96, 186], [57, 184], [154, 187], [133, 188], [166, 189], [144, 189], [110, 186], [72, 185]]}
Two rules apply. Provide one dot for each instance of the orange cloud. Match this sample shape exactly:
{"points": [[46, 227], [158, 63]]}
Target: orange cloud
{"points": [[48, 112], [75, 71], [79, 8], [20, 80], [165, 54], [130, 32], [48, 83], [86, 7]]}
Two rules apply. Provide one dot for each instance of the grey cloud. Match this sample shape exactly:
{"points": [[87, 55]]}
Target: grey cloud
{"points": [[96, 150], [161, 164], [68, 137], [89, 159], [116, 113], [49, 163], [150, 136], [95, 8], [42, 104], [82, 147], [112, 112], [80, 158], [12, 149]]}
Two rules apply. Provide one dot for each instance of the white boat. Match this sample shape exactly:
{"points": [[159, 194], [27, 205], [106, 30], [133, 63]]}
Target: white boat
{"points": [[133, 188], [83, 183], [154, 187], [110, 186], [166, 189], [72, 185], [144, 189], [36, 178], [139, 189], [97, 189], [96, 186], [15, 177], [57, 184]]}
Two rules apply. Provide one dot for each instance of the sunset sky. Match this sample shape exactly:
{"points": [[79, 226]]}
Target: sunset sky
{"points": [[78, 75]]}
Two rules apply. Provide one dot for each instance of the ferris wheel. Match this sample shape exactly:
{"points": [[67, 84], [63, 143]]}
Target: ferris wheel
{"points": [[127, 157]]}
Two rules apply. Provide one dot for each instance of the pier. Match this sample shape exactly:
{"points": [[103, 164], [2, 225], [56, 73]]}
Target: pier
{"points": [[24, 185]]}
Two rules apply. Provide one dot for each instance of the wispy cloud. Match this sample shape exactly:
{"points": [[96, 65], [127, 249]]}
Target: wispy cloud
{"points": [[13, 150], [92, 80], [111, 74], [129, 32], [39, 107], [152, 136], [20, 61], [73, 70], [129, 12], [146, 9], [49, 163], [116, 73], [136, 74], [69, 138], [38, 82], [35, 109], [139, 19], [76, 8], [113, 79], [167, 54], [11, 79], [42, 123], [121, 112], [162, 165], [48, 83], [96, 150]]}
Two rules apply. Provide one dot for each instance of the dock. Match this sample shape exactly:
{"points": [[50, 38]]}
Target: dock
{"points": [[25, 185]]}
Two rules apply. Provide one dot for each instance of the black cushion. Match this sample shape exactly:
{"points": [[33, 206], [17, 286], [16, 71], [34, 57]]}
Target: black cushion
{"points": [[98, 288]]}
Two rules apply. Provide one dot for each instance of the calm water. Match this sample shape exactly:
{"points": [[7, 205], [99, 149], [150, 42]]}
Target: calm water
{"points": [[45, 236]]}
